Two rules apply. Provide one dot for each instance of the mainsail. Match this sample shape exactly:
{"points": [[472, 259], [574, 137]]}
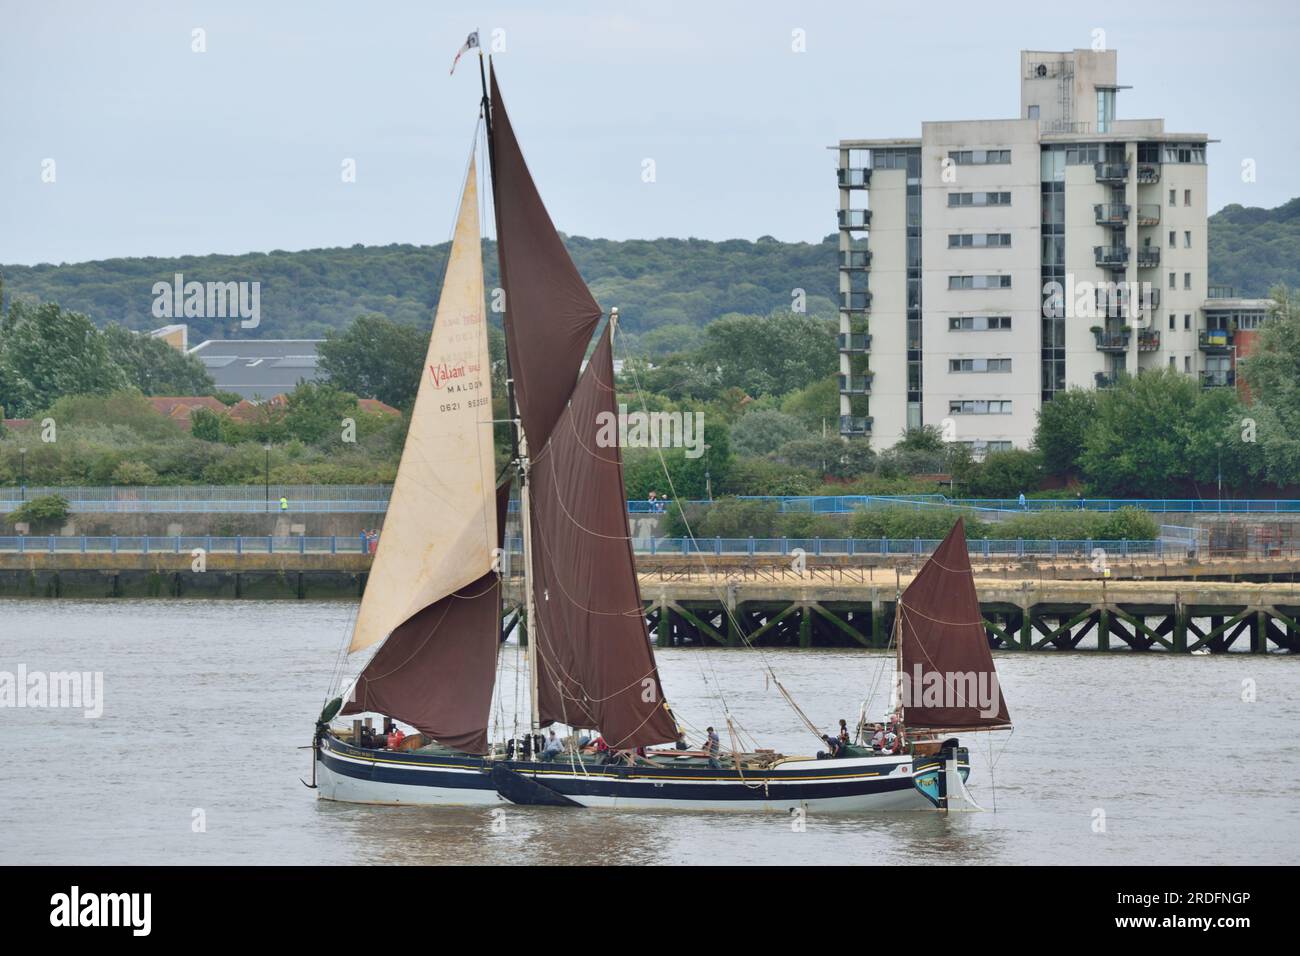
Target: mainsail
{"points": [[947, 679], [441, 527], [595, 667]]}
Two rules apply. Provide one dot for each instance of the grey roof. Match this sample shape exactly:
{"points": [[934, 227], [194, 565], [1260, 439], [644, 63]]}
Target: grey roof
{"points": [[259, 368]]}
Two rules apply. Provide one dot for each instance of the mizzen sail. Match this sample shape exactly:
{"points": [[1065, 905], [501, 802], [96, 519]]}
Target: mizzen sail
{"points": [[947, 678], [441, 526]]}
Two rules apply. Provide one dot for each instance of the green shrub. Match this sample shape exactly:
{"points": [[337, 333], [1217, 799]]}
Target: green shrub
{"points": [[42, 511]]}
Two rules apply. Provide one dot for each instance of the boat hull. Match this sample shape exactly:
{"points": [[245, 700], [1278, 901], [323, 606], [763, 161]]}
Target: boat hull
{"points": [[883, 783]]}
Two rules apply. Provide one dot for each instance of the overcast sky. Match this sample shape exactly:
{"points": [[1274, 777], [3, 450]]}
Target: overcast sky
{"points": [[161, 151]]}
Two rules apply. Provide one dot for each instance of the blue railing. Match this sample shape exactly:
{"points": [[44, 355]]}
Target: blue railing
{"points": [[219, 499], [353, 544]]}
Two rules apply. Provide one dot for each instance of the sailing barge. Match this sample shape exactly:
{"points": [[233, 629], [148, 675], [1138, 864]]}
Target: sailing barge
{"points": [[433, 603]]}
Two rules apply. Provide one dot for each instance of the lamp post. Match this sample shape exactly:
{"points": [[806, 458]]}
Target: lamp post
{"points": [[22, 474], [266, 476]]}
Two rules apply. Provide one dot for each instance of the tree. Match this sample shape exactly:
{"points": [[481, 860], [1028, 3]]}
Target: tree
{"points": [[376, 358], [153, 366], [763, 431], [1006, 474], [1062, 423], [1272, 373], [830, 456], [1157, 430], [770, 355], [316, 411], [46, 352]]}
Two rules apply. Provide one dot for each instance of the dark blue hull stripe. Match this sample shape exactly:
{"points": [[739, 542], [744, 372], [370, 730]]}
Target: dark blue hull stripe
{"points": [[668, 783]]}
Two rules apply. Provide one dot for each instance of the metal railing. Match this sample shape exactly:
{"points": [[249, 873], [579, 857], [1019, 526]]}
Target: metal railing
{"points": [[986, 547], [846, 504]]}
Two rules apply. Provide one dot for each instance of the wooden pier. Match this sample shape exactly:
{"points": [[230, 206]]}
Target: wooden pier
{"points": [[1222, 605]]}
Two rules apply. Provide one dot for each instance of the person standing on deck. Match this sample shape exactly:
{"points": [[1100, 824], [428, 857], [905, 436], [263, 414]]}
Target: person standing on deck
{"points": [[844, 731], [712, 747], [1022, 501]]}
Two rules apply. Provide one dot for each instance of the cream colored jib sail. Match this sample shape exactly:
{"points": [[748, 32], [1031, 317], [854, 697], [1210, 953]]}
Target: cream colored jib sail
{"points": [[440, 529]]}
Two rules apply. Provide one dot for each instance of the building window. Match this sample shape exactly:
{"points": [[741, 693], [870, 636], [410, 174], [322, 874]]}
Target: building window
{"points": [[980, 157], [979, 199], [979, 365], [968, 406], [1187, 321], [1187, 280], [1173, 239], [1173, 197], [1187, 363], [1187, 238], [979, 240], [1173, 359], [979, 323], [979, 282], [1187, 197], [1173, 322], [1184, 153], [1173, 280]]}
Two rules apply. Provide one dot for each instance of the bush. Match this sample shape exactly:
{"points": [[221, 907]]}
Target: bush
{"points": [[134, 473], [42, 511]]}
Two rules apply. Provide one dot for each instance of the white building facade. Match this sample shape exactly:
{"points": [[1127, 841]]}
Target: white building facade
{"points": [[989, 264]]}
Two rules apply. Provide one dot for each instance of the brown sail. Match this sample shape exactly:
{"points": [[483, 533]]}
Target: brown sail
{"points": [[550, 314], [437, 668], [947, 679], [596, 666]]}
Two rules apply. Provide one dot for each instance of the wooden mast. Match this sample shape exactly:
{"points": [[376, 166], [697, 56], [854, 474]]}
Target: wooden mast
{"points": [[519, 454]]}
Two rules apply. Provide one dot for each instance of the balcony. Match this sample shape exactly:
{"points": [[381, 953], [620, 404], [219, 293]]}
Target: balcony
{"points": [[853, 425], [853, 342], [855, 218], [1111, 214], [1148, 214], [1215, 340], [1148, 340], [855, 259], [856, 384], [1121, 305], [1218, 378], [1111, 172], [1111, 257], [1148, 173], [854, 301], [855, 178], [1114, 341], [1148, 257], [1103, 380]]}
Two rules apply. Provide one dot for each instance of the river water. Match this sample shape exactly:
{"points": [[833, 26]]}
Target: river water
{"points": [[1116, 758]]}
